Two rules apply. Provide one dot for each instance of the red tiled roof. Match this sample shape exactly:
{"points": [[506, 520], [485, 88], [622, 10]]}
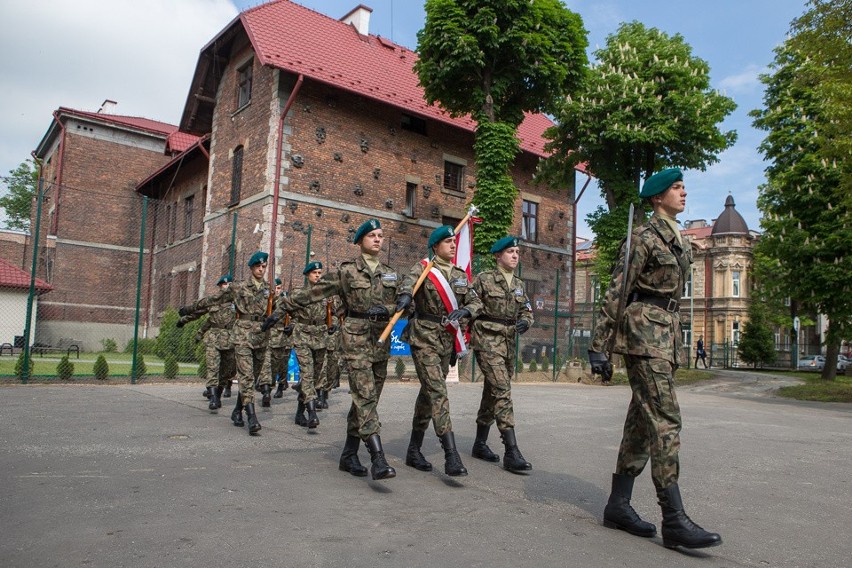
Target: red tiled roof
{"points": [[138, 122], [698, 233], [299, 40], [13, 277], [180, 141]]}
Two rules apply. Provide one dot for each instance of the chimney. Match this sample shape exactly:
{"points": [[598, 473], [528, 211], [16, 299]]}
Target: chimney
{"points": [[107, 106], [359, 17]]}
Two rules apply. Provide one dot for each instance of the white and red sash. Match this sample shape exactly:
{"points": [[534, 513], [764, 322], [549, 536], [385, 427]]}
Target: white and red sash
{"points": [[448, 297]]}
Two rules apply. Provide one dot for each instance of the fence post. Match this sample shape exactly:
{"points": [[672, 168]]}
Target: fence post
{"points": [[25, 369], [555, 326], [233, 247], [139, 288]]}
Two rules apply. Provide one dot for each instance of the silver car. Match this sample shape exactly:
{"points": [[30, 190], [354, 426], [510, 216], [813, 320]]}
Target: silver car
{"points": [[811, 363]]}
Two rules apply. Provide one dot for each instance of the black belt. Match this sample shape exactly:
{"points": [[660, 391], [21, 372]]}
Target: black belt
{"points": [[366, 316], [668, 304], [430, 317], [497, 320], [250, 318]]}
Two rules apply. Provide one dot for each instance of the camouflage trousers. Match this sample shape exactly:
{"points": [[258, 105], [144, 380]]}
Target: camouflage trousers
{"points": [[274, 365], [653, 423], [311, 362], [330, 371], [366, 381], [496, 402], [249, 367], [221, 366], [432, 402]]}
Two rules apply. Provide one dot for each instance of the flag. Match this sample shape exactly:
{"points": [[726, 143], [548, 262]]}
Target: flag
{"points": [[464, 247]]}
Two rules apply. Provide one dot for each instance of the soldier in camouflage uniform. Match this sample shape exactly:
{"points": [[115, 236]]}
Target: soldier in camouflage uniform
{"points": [[250, 298], [367, 288], [280, 343], [331, 370], [649, 337], [506, 311], [435, 343]]}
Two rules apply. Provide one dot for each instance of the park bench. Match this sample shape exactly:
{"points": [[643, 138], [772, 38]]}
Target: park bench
{"points": [[65, 344]]}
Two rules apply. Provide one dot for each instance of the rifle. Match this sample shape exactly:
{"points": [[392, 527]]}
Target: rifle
{"points": [[384, 336], [328, 317], [622, 301]]}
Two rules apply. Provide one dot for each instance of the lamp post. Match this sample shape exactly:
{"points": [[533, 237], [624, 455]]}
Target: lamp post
{"points": [[691, 313]]}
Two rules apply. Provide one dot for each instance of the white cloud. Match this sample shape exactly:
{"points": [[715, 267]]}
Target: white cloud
{"points": [[745, 82], [76, 53]]}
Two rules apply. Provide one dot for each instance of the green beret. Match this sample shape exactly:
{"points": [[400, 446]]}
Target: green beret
{"points": [[367, 227], [278, 282], [660, 181], [504, 243], [311, 266], [225, 280], [440, 234], [257, 258]]}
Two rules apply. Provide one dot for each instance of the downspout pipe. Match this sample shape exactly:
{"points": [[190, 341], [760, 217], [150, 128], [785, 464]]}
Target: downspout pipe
{"points": [[273, 232], [54, 224]]}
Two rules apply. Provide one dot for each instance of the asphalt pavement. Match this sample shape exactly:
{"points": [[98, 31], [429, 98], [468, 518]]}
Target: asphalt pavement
{"points": [[146, 476]]}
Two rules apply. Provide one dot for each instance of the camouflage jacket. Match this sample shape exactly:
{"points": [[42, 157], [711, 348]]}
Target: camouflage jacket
{"points": [[277, 338], [658, 266], [310, 322], [499, 301], [338, 314], [217, 328], [421, 333], [359, 290]]}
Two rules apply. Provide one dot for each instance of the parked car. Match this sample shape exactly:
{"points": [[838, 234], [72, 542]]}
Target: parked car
{"points": [[811, 363], [843, 363]]}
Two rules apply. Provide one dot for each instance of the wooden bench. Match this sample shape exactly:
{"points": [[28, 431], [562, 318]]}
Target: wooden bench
{"points": [[67, 345]]}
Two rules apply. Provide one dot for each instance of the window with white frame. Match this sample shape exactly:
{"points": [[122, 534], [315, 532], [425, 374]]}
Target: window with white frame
{"points": [[735, 284]]}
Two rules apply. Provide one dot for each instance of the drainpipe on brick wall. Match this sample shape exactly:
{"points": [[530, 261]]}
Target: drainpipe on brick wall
{"points": [[279, 145], [55, 221], [574, 256]]}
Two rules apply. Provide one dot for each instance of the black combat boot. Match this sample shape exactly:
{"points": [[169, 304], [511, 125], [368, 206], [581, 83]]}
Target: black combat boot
{"points": [[618, 514], [413, 457], [266, 400], [349, 458], [206, 393], [253, 424], [211, 396], [678, 529], [300, 414], [512, 459], [218, 394], [279, 392], [453, 465], [227, 392], [322, 399], [237, 414], [480, 448], [380, 468], [313, 419]]}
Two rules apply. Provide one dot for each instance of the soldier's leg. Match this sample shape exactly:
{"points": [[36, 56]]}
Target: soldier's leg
{"points": [[227, 371], [498, 373], [319, 375], [422, 416]]}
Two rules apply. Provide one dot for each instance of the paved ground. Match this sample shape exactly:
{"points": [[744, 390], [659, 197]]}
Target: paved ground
{"points": [[145, 476]]}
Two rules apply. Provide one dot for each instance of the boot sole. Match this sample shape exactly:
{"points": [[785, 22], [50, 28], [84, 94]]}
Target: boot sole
{"points": [[313, 425], [495, 459], [388, 475], [358, 473], [616, 526], [419, 467], [675, 544], [457, 474]]}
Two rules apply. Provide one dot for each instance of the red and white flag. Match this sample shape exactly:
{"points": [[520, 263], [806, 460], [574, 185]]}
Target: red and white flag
{"points": [[464, 247]]}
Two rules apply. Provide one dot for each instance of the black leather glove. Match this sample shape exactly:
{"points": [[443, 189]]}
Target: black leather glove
{"points": [[184, 311], [458, 314], [600, 365], [332, 329], [288, 330], [521, 326], [180, 323], [378, 312], [269, 322], [454, 358], [403, 301]]}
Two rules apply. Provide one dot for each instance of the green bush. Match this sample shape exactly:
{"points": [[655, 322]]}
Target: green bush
{"points": [[399, 368], [109, 345], [519, 365], [141, 369], [545, 364], [101, 368], [65, 369], [19, 366], [178, 341], [170, 367], [533, 366], [146, 346]]}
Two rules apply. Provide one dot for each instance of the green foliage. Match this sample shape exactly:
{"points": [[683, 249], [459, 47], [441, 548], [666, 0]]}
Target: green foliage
{"points": [[519, 365], [21, 185], [757, 341], [545, 364], [101, 368], [19, 366], [141, 368], [170, 367], [806, 208], [646, 104], [177, 341], [533, 366], [109, 345], [145, 346], [65, 369], [496, 60], [399, 368]]}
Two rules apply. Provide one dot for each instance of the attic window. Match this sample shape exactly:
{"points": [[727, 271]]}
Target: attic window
{"points": [[244, 80], [413, 124]]}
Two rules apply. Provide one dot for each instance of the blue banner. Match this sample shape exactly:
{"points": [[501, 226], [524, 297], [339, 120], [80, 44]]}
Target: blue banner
{"points": [[398, 347]]}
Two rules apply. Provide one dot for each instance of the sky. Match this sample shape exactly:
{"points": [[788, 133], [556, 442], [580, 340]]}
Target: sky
{"points": [[142, 54]]}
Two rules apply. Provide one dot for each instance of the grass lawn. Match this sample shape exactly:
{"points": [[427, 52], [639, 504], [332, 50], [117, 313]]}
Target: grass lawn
{"points": [[119, 365], [838, 390]]}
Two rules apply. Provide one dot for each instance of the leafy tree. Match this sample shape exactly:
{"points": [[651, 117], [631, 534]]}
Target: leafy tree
{"points": [[21, 185], [19, 366], [806, 209], [170, 367], [177, 341], [496, 60], [101, 368], [646, 104], [65, 369], [757, 344], [141, 368]]}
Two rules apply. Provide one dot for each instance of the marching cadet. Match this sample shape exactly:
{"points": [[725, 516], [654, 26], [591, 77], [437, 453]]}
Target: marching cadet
{"points": [[218, 345], [506, 311], [280, 342], [436, 341], [250, 298], [648, 334], [367, 288], [331, 370]]}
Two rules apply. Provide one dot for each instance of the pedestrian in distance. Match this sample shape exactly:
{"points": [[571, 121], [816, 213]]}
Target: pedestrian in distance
{"points": [[700, 353], [645, 290]]}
